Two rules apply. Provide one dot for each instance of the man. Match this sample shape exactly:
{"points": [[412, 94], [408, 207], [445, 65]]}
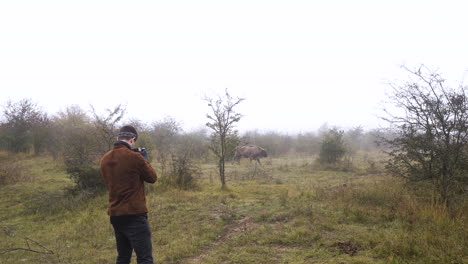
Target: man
{"points": [[125, 171]]}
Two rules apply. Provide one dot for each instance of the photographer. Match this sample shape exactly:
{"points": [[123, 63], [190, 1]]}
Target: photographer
{"points": [[124, 171]]}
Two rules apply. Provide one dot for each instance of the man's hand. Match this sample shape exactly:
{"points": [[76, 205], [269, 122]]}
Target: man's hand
{"points": [[142, 151]]}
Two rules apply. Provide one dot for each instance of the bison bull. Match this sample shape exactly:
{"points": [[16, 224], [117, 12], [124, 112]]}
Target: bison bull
{"points": [[250, 152]]}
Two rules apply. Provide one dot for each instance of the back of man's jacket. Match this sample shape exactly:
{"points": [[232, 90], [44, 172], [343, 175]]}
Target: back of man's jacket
{"points": [[124, 172]]}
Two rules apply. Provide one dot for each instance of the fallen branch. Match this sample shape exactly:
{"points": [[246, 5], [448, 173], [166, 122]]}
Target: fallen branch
{"points": [[46, 250]]}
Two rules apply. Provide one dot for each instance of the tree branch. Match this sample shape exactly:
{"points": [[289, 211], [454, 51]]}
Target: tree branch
{"points": [[29, 249]]}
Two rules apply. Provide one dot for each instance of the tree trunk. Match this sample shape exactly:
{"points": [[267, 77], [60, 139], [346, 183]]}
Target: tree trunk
{"points": [[221, 172], [444, 189], [222, 161]]}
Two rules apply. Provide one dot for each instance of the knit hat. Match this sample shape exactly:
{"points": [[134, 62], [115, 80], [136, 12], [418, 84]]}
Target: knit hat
{"points": [[128, 132]]}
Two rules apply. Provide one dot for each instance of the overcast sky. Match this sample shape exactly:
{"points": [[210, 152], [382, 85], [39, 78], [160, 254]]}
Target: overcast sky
{"points": [[298, 64]]}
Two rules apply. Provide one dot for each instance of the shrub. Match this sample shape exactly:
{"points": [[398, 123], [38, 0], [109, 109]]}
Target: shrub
{"points": [[86, 178], [83, 141], [24, 128], [333, 147], [430, 142], [11, 172], [183, 172]]}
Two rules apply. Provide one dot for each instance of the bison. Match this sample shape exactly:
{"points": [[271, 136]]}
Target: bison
{"points": [[252, 152]]}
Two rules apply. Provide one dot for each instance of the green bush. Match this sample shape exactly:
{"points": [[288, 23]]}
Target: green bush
{"points": [[86, 178], [333, 146], [182, 174]]}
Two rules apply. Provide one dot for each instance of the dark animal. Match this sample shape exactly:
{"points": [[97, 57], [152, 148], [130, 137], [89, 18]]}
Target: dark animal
{"points": [[251, 152]]}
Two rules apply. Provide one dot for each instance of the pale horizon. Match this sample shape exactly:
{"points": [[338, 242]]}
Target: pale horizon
{"points": [[298, 64]]}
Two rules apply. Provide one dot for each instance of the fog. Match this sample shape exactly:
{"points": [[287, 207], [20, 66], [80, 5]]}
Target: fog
{"points": [[298, 64]]}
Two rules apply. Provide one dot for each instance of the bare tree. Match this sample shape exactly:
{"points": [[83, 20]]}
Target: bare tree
{"points": [[431, 141], [80, 148], [145, 139], [76, 139], [106, 125], [222, 120], [198, 141], [308, 143], [353, 142], [164, 134]]}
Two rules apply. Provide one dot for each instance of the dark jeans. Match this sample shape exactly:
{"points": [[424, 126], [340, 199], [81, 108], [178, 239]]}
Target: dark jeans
{"points": [[132, 232]]}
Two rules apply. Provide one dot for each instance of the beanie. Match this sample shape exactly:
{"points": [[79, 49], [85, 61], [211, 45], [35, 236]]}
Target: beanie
{"points": [[128, 132]]}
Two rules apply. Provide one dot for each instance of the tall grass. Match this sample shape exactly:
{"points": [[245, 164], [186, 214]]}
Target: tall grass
{"points": [[291, 212], [12, 170]]}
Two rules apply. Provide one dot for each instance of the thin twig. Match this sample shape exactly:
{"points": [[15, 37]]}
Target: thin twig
{"points": [[46, 250]]}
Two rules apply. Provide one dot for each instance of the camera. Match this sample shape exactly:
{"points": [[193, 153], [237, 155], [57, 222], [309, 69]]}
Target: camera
{"points": [[142, 151]]}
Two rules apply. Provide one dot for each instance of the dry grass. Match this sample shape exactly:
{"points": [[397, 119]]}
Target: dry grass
{"points": [[286, 211], [13, 170]]}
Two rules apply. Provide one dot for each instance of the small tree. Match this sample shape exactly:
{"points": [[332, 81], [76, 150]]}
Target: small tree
{"points": [[353, 138], [79, 148], [24, 126], [164, 134], [222, 120], [41, 130], [199, 141], [183, 171], [307, 143], [333, 147], [431, 141], [106, 126], [145, 139]]}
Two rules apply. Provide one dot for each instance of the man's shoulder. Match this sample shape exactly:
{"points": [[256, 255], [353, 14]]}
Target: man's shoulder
{"points": [[127, 153], [120, 152], [106, 155]]}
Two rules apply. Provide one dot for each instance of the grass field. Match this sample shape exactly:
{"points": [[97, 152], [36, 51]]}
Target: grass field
{"points": [[287, 211]]}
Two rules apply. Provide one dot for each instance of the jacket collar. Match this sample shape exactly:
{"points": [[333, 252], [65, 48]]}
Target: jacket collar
{"points": [[119, 143]]}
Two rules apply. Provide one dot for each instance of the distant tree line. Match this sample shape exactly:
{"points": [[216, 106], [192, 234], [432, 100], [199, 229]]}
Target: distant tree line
{"points": [[80, 137], [310, 143], [426, 141], [25, 127]]}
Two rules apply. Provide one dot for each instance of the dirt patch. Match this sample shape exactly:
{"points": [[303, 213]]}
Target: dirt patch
{"points": [[236, 227], [284, 248], [347, 247], [239, 226]]}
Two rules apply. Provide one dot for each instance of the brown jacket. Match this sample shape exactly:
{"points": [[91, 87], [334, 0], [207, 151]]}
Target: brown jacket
{"points": [[124, 172]]}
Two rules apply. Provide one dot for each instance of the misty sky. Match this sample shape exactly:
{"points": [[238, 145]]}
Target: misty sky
{"points": [[299, 64]]}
